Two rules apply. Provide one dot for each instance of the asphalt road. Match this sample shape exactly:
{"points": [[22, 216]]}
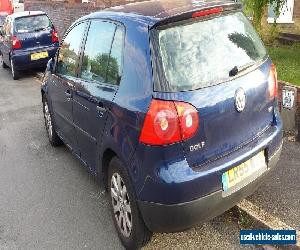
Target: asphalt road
{"points": [[280, 194], [49, 201]]}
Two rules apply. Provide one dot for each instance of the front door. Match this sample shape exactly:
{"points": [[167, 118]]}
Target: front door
{"points": [[62, 83], [93, 95]]}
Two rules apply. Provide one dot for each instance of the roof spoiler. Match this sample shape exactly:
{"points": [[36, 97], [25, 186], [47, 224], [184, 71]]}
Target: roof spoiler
{"points": [[229, 6]]}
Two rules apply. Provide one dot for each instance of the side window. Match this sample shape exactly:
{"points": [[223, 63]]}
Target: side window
{"points": [[97, 50], [68, 57], [114, 70]]}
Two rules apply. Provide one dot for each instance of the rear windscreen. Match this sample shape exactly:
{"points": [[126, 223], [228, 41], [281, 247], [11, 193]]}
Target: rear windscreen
{"points": [[32, 23], [203, 53]]}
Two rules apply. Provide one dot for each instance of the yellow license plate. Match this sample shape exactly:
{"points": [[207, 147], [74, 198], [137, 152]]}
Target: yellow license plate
{"points": [[40, 55], [233, 178]]}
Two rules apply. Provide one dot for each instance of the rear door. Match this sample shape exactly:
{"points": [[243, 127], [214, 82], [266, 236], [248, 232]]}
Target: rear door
{"points": [[99, 80], [33, 31], [216, 64], [61, 84]]}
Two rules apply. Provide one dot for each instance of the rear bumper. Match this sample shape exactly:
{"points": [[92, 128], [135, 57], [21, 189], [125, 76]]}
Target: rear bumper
{"points": [[178, 217], [22, 58]]}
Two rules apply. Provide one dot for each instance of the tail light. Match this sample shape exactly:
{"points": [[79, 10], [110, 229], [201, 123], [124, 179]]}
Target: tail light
{"points": [[16, 44], [272, 82], [168, 122], [54, 36]]}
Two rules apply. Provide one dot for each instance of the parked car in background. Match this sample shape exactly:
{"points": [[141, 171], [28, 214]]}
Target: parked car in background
{"points": [[2, 19], [6, 7], [29, 39], [173, 104]]}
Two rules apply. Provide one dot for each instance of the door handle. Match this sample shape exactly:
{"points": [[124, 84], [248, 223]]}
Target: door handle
{"points": [[101, 109], [68, 94]]}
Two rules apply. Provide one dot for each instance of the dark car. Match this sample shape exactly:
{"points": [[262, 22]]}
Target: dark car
{"points": [[172, 104], [29, 39], [2, 19]]}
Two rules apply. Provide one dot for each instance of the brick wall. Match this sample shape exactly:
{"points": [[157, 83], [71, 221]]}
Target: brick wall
{"points": [[297, 8], [63, 14]]}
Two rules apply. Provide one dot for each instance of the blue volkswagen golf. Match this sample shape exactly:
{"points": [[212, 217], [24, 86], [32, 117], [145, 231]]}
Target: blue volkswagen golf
{"points": [[172, 104]]}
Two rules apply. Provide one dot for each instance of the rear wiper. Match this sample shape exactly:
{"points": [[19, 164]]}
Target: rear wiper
{"points": [[39, 29], [235, 70]]}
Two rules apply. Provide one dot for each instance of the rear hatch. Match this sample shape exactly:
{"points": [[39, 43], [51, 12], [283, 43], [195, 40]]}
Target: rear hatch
{"points": [[211, 62], [34, 31]]}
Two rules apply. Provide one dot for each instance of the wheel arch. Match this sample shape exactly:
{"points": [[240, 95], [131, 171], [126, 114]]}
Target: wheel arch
{"points": [[107, 156]]}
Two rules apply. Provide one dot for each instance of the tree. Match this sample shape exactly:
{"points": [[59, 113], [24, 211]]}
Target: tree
{"points": [[257, 8]]}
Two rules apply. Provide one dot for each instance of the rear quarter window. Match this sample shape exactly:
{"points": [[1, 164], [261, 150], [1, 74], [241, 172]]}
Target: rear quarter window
{"points": [[201, 53]]}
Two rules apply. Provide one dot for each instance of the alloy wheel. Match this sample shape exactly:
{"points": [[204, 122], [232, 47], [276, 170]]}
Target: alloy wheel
{"points": [[121, 205]]}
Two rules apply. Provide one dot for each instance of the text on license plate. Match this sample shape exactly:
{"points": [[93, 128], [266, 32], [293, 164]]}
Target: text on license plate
{"points": [[236, 175], [39, 55]]}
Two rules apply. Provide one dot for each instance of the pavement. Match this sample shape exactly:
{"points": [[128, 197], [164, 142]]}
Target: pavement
{"points": [[49, 201], [280, 194]]}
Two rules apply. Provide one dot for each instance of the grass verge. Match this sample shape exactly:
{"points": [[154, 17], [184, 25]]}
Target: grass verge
{"points": [[287, 60]]}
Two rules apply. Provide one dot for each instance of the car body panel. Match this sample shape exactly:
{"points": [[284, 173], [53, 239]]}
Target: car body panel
{"points": [[22, 60], [91, 105], [168, 174], [154, 12], [172, 180], [126, 112], [220, 124], [62, 106]]}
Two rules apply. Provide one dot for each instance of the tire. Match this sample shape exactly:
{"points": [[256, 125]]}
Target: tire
{"points": [[15, 73], [123, 204], [3, 65], [49, 124]]}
